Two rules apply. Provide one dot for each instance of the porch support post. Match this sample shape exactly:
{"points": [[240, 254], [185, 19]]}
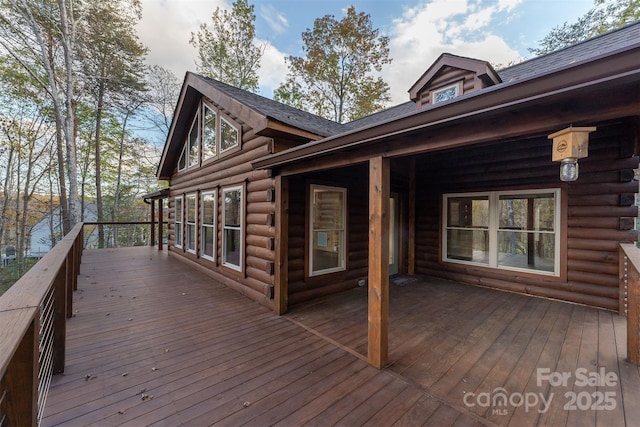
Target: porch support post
{"points": [[378, 340], [412, 216], [281, 291], [153, 224], [160, 221]]}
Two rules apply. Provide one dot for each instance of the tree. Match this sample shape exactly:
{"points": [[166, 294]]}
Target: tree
{"points": [[113, 68], [33, 33], [340, 76], [606, 15], [228, 52]]}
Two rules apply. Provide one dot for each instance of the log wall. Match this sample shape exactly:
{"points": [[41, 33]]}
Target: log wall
{"points": [[302, 288], [598, 211], [257, 278]]}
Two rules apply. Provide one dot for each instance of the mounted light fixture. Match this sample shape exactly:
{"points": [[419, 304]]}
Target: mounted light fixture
{"points": [[569, 145]]}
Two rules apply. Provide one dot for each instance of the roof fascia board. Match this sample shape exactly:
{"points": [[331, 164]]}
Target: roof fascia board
{"points": [[580, 75]]}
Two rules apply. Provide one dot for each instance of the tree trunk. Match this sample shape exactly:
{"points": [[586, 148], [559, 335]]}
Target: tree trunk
{"points": [[99, 109]]}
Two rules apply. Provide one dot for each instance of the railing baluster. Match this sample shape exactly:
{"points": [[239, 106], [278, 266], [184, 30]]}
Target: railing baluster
{"points": [[33, 313]]}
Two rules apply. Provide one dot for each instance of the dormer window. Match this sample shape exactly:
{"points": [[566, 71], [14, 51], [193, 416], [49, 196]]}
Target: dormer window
{"points": [[445, 93]]}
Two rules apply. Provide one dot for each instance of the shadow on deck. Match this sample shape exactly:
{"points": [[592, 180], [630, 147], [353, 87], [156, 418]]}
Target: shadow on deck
{"points": [[155, 343]]}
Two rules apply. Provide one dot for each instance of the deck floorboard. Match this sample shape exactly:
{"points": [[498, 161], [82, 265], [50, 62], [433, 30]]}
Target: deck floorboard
{"points": [[153, 342]]}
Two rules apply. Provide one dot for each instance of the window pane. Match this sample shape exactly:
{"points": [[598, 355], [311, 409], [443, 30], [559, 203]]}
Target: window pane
{"points": [[228, 136], [232, 209], [468, 245], [534, 251], [209, 134], [179, 209], [208, 209], [182, 162], [178, 233], [232, 247], [191, 236], [328, 206], [328, 209], [193, 143], [191, 209], [207, 241], [328, 250], [527, 212], [468, 212]]}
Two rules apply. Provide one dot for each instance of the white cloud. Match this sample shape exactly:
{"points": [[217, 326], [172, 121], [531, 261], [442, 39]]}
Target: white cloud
{"points": [[426, 31], [166, 28], [273, 69], [276, 20]]}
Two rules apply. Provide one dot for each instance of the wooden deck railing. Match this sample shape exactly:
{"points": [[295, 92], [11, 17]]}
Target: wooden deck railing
{"points": [[630, 298], [33, 315]]}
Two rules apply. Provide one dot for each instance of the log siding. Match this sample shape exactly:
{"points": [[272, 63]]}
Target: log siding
{"points": [[594, 220]]}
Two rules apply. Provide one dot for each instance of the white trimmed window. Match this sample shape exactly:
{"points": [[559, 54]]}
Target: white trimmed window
{"points": [[232, 229], [209, 133], [327, 221], [445, 93], [194, 142], [228, 136], [208, 227], [178, 222], [191, 221], [182, 162], [511, 230]]}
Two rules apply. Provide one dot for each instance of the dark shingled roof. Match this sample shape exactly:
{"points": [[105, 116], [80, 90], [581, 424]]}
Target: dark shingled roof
{"points": [[588, 49], [591, 48], [278, 111]]}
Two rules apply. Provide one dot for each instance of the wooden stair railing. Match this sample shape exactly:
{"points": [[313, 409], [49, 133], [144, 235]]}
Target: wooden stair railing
{"points": [[33, 315], [630, 298]]}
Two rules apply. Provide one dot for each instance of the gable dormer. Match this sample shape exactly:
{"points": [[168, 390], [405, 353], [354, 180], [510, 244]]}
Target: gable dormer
{"points": [[451, 76]]}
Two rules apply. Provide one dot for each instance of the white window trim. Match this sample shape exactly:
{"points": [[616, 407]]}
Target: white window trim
{"points": [[198, 141], [219, 137], [225, 227], [455, 86], [206, 107], [194, 223], [179, 224], [343, 260], [203, 225], [494, 197]]}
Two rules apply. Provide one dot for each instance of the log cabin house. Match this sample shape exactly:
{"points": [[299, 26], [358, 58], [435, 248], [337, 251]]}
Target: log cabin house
{"points": [[460, 182]]}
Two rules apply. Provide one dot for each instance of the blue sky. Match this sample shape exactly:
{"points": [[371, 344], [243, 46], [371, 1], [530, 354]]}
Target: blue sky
{"points": [[499, 31]]}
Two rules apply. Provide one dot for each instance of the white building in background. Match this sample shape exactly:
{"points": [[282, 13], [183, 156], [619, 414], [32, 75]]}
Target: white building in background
{"points": [[41, 242]]}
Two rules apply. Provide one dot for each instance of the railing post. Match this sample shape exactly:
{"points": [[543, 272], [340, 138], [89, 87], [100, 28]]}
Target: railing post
{"points": [[160, 220], [21, 379], [630, 298], [153, 223], [61, 299]]}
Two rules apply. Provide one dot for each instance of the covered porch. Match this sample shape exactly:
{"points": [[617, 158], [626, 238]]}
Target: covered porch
{"points": [[154, 342]]}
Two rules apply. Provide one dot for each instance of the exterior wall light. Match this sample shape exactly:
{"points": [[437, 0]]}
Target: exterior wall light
{"points": [[569, 145]]}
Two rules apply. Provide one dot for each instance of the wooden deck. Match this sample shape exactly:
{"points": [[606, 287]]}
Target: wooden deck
{"points": [[155, 343], [468, 346]]}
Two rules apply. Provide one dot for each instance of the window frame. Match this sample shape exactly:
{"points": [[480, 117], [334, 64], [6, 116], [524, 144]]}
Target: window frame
{"points": [[193, 224], [493, 230], [219, 136], [178, 241], [311, 234], [213, 225], [241, 228], [195, 124], [206, 106]]}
